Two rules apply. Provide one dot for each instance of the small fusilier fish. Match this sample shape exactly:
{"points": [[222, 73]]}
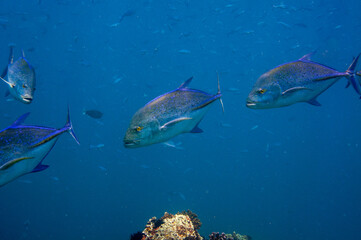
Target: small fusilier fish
{"points": [[20, 76], [93, 113], [298, 81], [168, 115], [24, 147]]}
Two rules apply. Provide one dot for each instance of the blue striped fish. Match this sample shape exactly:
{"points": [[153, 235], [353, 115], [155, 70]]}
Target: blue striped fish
{"points": [[173, 113], [19, 75], [299, 81], [24, 147]]}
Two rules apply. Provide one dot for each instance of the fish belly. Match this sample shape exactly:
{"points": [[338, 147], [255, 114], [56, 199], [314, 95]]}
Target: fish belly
{"points": [[35, 155]]}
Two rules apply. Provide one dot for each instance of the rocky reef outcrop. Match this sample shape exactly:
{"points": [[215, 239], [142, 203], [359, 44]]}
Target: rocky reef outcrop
{"points": [[180, 226], [233, 236]]}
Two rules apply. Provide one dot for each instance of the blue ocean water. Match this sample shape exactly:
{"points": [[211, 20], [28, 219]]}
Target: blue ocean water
{"points": [[287, 173]]}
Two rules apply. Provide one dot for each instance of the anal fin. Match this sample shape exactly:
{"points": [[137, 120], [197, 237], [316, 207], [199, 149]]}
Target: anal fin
{"points": [[40, 168], [314, 102], [196, 129]]}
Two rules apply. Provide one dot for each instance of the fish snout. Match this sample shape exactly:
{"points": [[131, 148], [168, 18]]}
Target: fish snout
{"points": [[250, 103], [130, 143], [27, 99]]}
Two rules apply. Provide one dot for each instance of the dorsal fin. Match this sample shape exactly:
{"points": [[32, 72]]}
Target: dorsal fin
{"points": [[11, 54], [307, 57], [20, 120], [186, 83]]}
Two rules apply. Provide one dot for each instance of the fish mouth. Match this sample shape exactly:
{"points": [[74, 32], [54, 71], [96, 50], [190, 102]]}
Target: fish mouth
{"points": [[130, 143], [250, 104], [27, 99]]}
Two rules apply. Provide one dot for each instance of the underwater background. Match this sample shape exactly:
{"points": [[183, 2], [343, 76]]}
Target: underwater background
{"points": [[287, 173]]}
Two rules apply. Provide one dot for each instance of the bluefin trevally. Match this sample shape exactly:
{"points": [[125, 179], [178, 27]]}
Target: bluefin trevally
{"points": [[20, 77], [166, 116], [24, 147], [299, 81]]}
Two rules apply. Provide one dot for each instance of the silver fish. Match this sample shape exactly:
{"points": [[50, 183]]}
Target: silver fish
{"points": [[20, 76], [298, 81], [173, 113], [24, 147]]}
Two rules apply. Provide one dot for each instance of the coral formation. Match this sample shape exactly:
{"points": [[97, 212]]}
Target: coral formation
{"points": [[237, 236], [217, 236], [181, 226], [194, 218], [137, 236], [233, 236], [171, 227]]}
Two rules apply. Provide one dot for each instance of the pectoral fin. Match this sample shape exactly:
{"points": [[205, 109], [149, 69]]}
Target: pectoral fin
{"points": [[8, 83], [12, 162], [174, 121], [295, 89]]}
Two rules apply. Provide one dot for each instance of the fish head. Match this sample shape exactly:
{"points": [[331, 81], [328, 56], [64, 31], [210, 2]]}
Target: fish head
{"points": [[264, 94], [140, 132], [24, 93], [21, 75]]}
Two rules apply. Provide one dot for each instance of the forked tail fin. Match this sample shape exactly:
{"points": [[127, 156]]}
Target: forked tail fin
{"points": [[359, 74], [219, 93], [69, 126], [351, 76]]}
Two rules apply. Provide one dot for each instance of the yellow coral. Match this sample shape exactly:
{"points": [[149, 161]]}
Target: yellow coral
{"points": [[171, 227]]}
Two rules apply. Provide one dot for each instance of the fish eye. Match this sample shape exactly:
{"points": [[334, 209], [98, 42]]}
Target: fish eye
{"points": [[24, 86], [138, 129], [262, 91]]}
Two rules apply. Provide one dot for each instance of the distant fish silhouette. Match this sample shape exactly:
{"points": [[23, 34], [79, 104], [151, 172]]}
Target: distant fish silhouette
{"points": [[93, 113], [128, 13]]}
